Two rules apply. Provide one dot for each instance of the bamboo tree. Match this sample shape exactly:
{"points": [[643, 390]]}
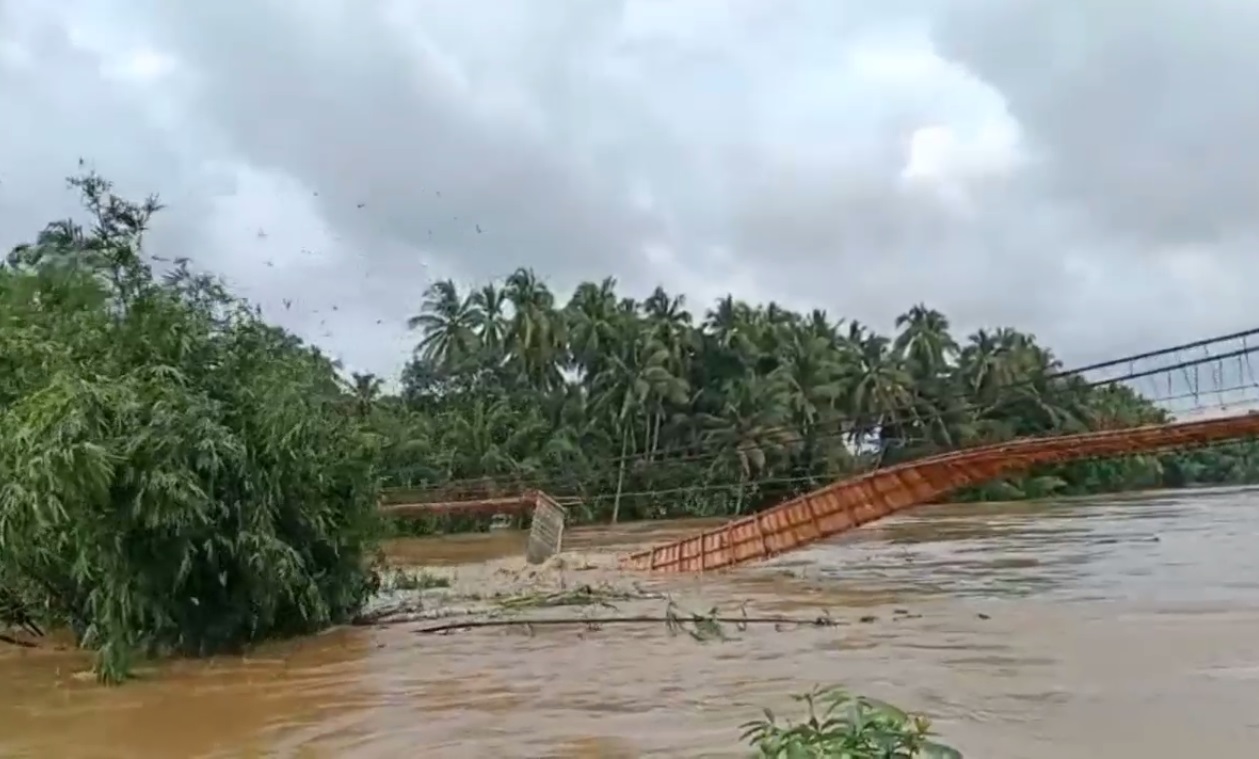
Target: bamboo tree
{"points": [[175, 474]]}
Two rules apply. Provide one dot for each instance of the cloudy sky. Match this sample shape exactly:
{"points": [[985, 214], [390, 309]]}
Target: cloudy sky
{"points": [[1080, 169]]}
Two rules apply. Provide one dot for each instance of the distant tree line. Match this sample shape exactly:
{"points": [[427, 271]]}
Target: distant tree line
{"points": [[642, 409]]}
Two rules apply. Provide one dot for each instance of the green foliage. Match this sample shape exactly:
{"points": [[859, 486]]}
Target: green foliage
{"points": [[175, 475], [641, 409], [839, 725]]}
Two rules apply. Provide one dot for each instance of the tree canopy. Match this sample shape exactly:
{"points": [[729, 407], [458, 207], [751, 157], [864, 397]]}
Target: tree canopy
{"points": [[175, 474], [644, 409]]}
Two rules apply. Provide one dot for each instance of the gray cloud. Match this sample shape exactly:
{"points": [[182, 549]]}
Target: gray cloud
{"points": [[1143, 118], [712, 146], [401, 143], [1139, 123]]}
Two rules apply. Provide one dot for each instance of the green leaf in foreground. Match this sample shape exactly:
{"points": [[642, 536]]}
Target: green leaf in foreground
{"points": [[839, 725]]}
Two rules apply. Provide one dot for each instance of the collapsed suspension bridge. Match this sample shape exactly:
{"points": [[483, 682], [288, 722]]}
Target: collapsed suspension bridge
{"points": [[1208, 388]]}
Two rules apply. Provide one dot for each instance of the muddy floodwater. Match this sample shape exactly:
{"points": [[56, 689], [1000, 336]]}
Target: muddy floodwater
{"points": [[1117, 628]]}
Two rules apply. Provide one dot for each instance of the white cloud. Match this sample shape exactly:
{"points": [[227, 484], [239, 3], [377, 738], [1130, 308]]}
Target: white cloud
{"points": [[950, 165], [140, 66]]}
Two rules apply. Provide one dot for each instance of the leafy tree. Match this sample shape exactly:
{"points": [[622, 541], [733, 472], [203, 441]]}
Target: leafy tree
{"points": [[175, 474]]}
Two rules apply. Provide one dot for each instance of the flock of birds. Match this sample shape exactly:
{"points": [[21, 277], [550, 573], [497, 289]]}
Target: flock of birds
{"points": [[326, 331]]}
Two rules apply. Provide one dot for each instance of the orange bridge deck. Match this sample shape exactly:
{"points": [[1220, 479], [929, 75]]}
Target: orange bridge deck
{"points": [[853, 502]]}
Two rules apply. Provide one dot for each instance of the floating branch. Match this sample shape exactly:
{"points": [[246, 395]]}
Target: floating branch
{"points": [[701, 627], [12, 641]]}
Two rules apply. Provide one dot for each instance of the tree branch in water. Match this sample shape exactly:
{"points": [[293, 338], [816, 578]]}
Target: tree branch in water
{"points": [[12, 641], [699, 626]]}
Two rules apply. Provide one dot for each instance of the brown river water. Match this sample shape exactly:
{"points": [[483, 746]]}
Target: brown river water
{"points": [[1110, 628]]}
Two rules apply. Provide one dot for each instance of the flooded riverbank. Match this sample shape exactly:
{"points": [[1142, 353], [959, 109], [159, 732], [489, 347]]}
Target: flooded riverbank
{"points": [[1104, 627]]}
